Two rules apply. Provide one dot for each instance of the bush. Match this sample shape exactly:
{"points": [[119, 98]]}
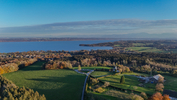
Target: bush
{"points": [[99, 90], [94, 81], [143, 95], [137, 97], [79, 67], [122, 80], [106, 84]]}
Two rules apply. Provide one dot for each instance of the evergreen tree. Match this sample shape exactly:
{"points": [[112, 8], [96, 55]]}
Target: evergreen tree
{"points": [[122, 80]]}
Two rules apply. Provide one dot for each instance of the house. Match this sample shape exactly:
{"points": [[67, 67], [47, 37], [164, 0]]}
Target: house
{"points": [[155, 78], [115, 69], [172, 94]]}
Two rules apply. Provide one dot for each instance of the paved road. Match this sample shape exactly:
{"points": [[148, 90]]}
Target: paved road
{"points": [[88, 73]]}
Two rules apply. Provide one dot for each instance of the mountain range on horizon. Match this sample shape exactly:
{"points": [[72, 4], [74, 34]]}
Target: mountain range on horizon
{"points": [[112, 36]]}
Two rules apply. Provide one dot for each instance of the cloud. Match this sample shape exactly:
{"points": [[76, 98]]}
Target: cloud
{"points": [[100, 27]]}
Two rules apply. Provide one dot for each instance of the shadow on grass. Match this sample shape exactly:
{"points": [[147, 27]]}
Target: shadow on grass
{"points": [[60, 88], [35, 66]]}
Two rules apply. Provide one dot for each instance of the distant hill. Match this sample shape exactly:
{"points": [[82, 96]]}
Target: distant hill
{"points": [[144, 35]]}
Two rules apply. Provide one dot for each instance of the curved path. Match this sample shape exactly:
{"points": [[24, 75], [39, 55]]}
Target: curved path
{"points": [[88, 73]]}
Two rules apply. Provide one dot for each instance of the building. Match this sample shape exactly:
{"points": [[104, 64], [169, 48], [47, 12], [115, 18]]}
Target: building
{"points": [[155, 78]]}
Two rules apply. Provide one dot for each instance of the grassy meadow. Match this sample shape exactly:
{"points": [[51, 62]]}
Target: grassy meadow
{"points": [[145, 49], [61, 84], [94, 67], [170, 83], [130, 83]]}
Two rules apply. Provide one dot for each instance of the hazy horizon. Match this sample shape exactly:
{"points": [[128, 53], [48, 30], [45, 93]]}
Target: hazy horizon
{"points": [[88, 18]]}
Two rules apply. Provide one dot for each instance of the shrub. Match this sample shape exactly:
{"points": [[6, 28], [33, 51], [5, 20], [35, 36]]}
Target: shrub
{"points": [[99, 90], [122, 80], [106, 84], [94, 81], [79, 67], [137, 97], [143, 95], [135, 87]]}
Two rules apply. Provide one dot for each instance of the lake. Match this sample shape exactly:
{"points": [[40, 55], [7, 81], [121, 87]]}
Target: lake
{"points": [[6, 47]]}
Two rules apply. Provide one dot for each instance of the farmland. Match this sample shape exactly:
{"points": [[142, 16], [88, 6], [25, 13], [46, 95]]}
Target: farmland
{"points": [[94, 67], [59, 84], [145, 49], [130, 83]]}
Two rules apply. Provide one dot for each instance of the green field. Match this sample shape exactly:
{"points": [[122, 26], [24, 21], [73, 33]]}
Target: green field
{"points": [[117, 45], [134, 73], [139, 44], [145, 49], [101, 73], [92, 68], [142, 44], [170, 83], [61, 84], [173, 50], [130, 83]]}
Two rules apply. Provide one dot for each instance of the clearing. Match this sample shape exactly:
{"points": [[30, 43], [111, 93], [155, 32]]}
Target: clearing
{"points": [[61, 84], [94, 67], [145, 49]]}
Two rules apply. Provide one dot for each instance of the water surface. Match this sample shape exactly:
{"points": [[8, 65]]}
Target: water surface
{"points": [[50, 45]]}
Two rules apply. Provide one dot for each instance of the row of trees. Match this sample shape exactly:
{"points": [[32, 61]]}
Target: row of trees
{"points": [[57, 65], [11, 67], [9, 91]]}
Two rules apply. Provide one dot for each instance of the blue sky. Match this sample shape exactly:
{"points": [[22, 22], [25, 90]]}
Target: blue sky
{"points": [[65, 18]]}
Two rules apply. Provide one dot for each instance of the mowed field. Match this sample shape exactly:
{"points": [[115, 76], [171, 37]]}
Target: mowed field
{"points": [[94, 67], [145, 49], [61, 84], [130, 83], [170, 83]]}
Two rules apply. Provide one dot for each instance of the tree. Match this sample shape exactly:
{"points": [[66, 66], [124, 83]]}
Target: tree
{"points": [[79, 67], [156, 96], [143, 95], [137, 97], [166, 97], [160, 80], [122, 80], [1, 71], [159, 87], [120, 70], [127, 69]]}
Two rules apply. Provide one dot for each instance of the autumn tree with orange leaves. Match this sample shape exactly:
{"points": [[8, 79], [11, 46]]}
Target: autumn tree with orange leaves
{"points": [[158, 96]]}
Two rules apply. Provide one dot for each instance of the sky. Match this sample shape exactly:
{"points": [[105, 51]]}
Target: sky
{"points": [[74, 18]]}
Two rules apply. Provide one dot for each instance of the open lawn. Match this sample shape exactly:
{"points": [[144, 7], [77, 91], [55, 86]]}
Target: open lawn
{"points": [[139, 44], [61, 84], [94, 67], [117, 45], [130, 83], [145, 49], [170, 83], [142, 44], [173, 50], [101, 73], [134, 73]]}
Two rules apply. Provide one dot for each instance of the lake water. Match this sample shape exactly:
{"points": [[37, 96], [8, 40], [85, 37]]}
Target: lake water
{"points": [[49, 45]]}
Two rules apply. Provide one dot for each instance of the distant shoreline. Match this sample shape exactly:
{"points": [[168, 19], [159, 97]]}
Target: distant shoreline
{"points": [[51, 39], [62, 39]]}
